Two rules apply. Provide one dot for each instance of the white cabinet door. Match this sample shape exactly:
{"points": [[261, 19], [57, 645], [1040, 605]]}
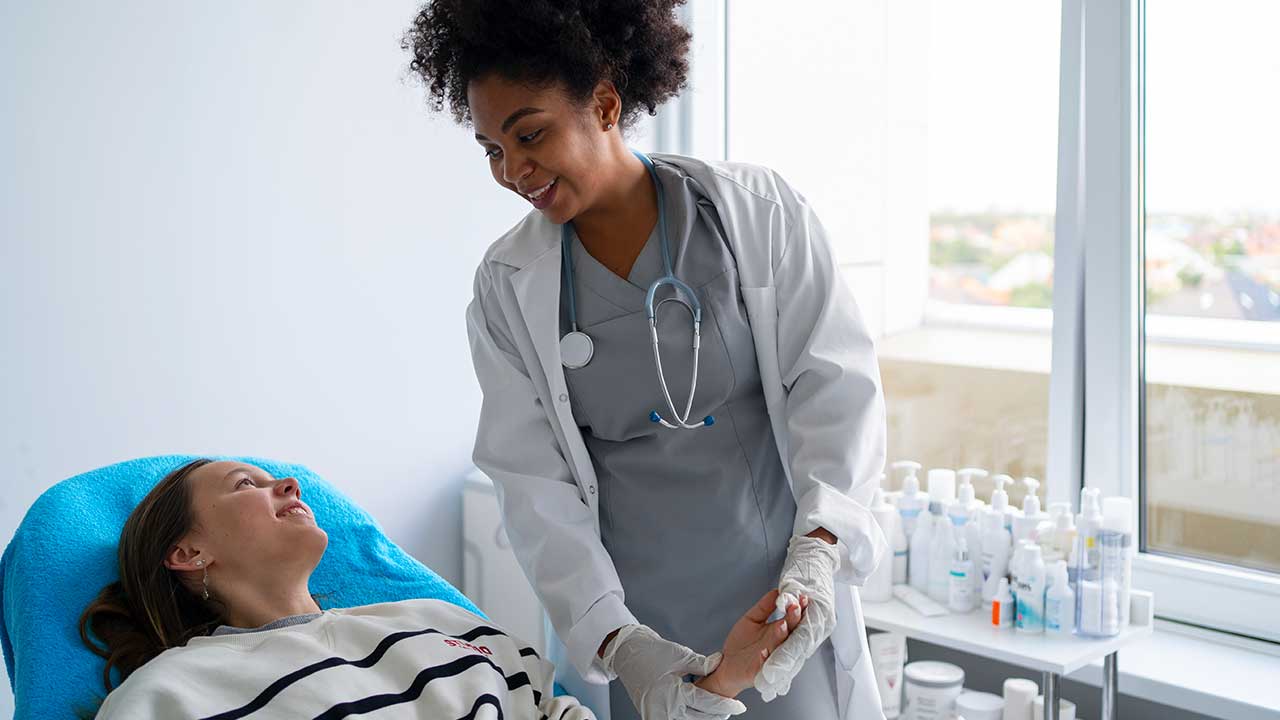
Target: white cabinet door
{"points": [[491, 577]]}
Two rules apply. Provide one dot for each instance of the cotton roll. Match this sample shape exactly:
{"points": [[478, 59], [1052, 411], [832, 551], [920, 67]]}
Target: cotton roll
{"points": [[1019, 695]]}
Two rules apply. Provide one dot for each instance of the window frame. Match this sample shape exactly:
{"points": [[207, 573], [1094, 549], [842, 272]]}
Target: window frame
{"points": [[1200, 592]]}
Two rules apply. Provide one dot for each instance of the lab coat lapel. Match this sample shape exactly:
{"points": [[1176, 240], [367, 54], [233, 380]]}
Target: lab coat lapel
{"points": [[537, 289], [537, 292]]}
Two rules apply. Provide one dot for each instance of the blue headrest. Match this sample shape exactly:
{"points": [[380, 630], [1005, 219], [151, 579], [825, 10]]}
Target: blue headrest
{"points": [[64, 553]]}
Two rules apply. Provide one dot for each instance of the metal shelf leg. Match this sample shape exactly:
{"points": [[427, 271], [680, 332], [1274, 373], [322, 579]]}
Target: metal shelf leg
{"points": [[1110, 677], [1051, 696]]}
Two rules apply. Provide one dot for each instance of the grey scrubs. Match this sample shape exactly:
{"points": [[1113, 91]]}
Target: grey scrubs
{"points": [[696, 521]]}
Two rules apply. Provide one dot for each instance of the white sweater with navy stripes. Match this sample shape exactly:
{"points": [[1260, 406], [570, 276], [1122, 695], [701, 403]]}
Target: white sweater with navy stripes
{"points": [[409, 659]]}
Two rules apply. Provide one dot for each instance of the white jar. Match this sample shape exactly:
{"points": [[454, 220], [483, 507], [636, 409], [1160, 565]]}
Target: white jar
{"points": [[980, 706], [931, 689]]}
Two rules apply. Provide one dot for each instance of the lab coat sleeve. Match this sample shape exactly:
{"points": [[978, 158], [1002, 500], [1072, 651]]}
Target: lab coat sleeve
{"points": [[551, 527], [835, 413]]}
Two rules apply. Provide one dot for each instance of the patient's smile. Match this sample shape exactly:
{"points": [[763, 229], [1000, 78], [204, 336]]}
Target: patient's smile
{"points": [[294, 509]]}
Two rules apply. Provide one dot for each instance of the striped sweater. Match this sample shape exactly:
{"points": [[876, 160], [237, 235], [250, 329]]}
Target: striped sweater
{"points": [[409, 659]]}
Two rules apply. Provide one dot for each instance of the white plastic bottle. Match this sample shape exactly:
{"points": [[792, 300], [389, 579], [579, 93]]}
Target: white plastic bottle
{"points": [[1059, 603], [1031, 582], [879, 586], [1002, 606], [901, 551], [1064, 527], [912, 502], [1024, 527], [960, 596], [1000, 500], [1087, 527], [921, 546], [965, 477], [1015, 562], [972, 509], [942, 486], [997, 544], [944, 549]]}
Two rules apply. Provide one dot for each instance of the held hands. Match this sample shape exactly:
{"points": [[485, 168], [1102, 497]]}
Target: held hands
{"points": [[749, 643], [810, 571], [652, 670]]}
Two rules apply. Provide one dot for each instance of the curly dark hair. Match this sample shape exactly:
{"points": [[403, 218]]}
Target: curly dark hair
{"points": [[639, 45]]}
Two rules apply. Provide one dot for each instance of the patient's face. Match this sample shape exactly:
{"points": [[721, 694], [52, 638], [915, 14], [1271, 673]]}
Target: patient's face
{"points": [[251, 524]]}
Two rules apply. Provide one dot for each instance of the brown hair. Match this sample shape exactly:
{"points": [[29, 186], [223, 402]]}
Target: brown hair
{"points": [[149, 610]]}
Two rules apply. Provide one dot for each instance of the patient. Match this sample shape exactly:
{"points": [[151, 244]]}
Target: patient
{"points": [[212, 618]]}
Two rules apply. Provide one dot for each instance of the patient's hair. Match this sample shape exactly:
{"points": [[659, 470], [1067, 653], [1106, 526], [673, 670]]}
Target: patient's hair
{"points": [[149, 610], [639, 45]]}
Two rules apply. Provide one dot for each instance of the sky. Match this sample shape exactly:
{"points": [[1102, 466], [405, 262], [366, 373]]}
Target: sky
{"points": [[1212, 112]]}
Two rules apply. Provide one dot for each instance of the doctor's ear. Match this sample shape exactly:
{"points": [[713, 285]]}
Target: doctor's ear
{"points": [[606, 105]]}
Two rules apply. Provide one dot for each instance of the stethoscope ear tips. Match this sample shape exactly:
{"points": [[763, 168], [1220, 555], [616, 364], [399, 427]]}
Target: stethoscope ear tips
{"points": [[707, 421]]}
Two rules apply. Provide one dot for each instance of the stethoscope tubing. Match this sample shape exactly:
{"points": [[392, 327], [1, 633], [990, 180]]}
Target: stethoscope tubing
{"points": [[692, 304]]}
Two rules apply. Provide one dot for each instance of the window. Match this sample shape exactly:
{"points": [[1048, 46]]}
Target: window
{"points": [[992, 138], [1177, 358], [1211, 265], [930, 159], [1016, 276]]}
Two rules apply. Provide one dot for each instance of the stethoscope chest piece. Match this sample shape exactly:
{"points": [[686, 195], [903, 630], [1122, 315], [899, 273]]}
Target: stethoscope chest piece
{"points": [[576, 349]]}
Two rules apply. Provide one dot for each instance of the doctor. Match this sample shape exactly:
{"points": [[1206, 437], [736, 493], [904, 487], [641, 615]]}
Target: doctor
{"points": [[682, 407]]}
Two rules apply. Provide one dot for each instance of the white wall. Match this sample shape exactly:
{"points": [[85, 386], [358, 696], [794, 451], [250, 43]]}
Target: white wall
{"points": [[860, 158], [234, 228]]}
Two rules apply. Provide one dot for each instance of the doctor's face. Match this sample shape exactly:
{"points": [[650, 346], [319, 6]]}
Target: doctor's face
{"points": [[541, 145]]}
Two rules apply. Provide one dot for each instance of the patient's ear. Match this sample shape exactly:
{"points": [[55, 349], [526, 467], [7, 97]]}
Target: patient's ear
{"points": [[185, 558]]}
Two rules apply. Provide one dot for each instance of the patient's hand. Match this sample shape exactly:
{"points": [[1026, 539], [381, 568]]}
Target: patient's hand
{"points": [[749, 644]]}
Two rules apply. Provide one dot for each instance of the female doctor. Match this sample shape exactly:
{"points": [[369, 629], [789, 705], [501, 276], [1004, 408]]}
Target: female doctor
{"points": [[682, 407]]}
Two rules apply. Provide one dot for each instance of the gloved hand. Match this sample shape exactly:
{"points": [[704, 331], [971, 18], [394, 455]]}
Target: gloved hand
{"points": [[564, 707], [809, 570], [652, 670]]}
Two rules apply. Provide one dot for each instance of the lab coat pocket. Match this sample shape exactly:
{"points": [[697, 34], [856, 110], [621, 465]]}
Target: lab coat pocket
{"points": [[617, 390]]}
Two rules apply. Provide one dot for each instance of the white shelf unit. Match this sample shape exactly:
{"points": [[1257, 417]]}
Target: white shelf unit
{"points": [[1051, 655]]}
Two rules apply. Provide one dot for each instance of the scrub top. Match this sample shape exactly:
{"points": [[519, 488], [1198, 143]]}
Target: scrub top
{"points": [[696, 521]]}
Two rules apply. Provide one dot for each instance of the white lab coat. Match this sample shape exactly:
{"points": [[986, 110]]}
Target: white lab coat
{"points": [[821, 386]]}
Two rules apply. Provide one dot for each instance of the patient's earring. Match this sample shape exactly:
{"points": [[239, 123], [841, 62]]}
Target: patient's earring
{"points": [[205, 580], [608, 126]]}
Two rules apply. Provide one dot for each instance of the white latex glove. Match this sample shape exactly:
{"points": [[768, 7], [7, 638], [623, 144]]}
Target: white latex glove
{"points": [[809, 570], [564, 707], [652, 670]]}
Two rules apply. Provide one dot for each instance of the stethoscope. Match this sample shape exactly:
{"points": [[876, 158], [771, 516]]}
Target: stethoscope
{"points": [[576, 347]]}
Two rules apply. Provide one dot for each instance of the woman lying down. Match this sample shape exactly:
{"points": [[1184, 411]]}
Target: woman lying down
{"points": [[212, 619]]}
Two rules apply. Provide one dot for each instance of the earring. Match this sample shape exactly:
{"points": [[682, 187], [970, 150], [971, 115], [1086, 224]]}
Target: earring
{"points": [[608, 126], [204, 580]]}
